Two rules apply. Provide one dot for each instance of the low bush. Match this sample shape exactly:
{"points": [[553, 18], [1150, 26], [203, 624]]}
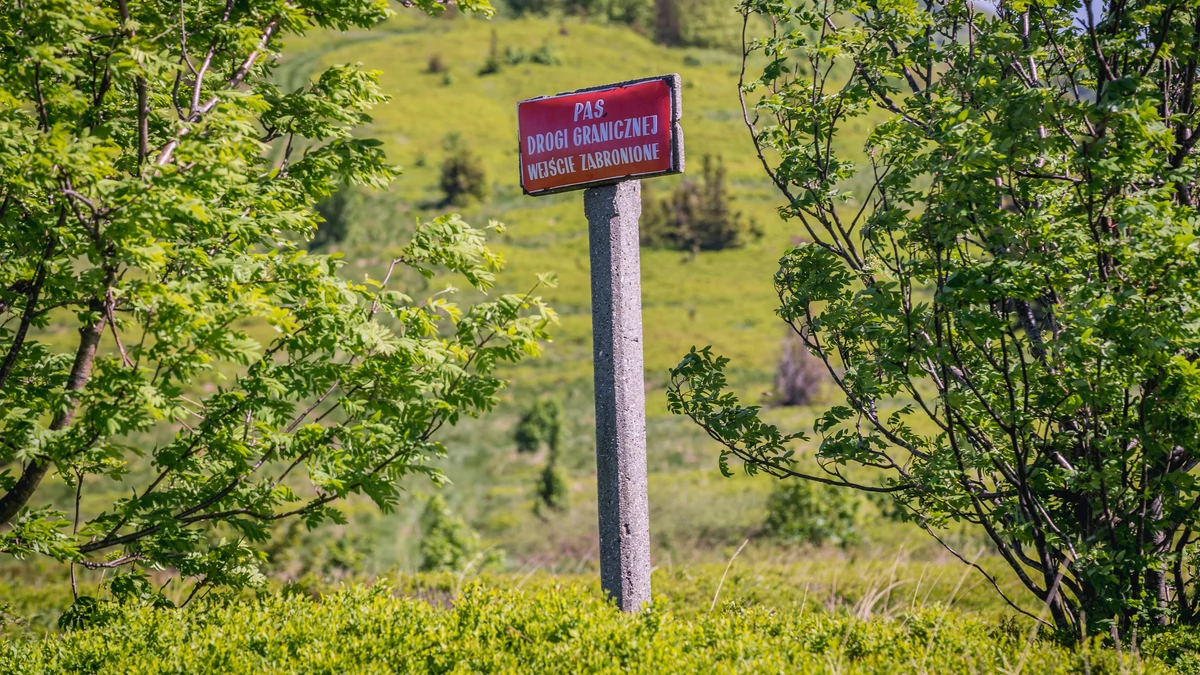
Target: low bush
{"points": [[491, 65], [449, 543], [553, 491], [813, 513], [541, 424], [555, 629]]}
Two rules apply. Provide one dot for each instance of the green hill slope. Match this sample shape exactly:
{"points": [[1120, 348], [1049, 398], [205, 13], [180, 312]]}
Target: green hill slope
{"points": [[724, 298]]}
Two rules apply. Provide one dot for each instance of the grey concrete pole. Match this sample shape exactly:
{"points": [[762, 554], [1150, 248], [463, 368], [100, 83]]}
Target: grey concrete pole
{"points": [[612, 213]]}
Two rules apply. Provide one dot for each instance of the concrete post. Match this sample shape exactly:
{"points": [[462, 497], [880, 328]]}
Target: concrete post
{"points": [[612, 213]]}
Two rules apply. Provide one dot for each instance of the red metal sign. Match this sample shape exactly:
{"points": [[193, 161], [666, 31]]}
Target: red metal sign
{"points": [[600, 135]]}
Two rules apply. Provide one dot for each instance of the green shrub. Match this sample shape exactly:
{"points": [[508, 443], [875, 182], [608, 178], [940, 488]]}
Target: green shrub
{"points": [[1179, 647], [295, 551], [335, 211], [447, 541], [540, 424], [491, 64], [553, 630], [514, 57], [88, 612], [463, 177], [553, 491], [697, 215], [544, 56], [813, 513]]}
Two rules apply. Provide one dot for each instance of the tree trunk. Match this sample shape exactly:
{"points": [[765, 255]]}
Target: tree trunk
{"points": [[1156, 578], [31, 477]]}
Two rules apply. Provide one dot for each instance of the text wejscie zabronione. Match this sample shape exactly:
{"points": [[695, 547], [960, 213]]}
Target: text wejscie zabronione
{"points": [[589, 134]]}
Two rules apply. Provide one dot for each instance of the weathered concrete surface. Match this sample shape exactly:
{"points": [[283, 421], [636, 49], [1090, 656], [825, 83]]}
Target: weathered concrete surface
{"points": [[612, 213]]}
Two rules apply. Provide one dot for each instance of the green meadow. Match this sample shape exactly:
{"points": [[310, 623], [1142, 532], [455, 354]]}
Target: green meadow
{"points": [[724, 298]]}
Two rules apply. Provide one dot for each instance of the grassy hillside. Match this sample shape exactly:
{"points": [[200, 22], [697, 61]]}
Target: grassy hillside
{"points": [[724, 299]]}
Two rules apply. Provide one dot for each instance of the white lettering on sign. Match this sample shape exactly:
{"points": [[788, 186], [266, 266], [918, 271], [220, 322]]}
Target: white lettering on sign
{"points": [[547, 142], [589, 134], [553, 167], [593, 136], [589, 110], [619, 156], [614, 130]]}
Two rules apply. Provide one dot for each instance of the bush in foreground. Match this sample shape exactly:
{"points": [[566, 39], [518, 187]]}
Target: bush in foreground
{"points": [[557, 629]]}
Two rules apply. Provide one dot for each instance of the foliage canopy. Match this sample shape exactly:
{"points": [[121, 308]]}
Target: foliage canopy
{"points": [[1011, 307], [147, 246]]}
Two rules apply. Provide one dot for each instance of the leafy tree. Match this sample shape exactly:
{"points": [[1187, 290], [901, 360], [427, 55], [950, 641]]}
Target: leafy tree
{"points": [[697, 216], [1022, 278], [463, 176], [147, 244]]}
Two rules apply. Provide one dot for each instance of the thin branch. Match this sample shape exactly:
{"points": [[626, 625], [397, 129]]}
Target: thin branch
{"points": [[168, 150], [987, 576]]}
